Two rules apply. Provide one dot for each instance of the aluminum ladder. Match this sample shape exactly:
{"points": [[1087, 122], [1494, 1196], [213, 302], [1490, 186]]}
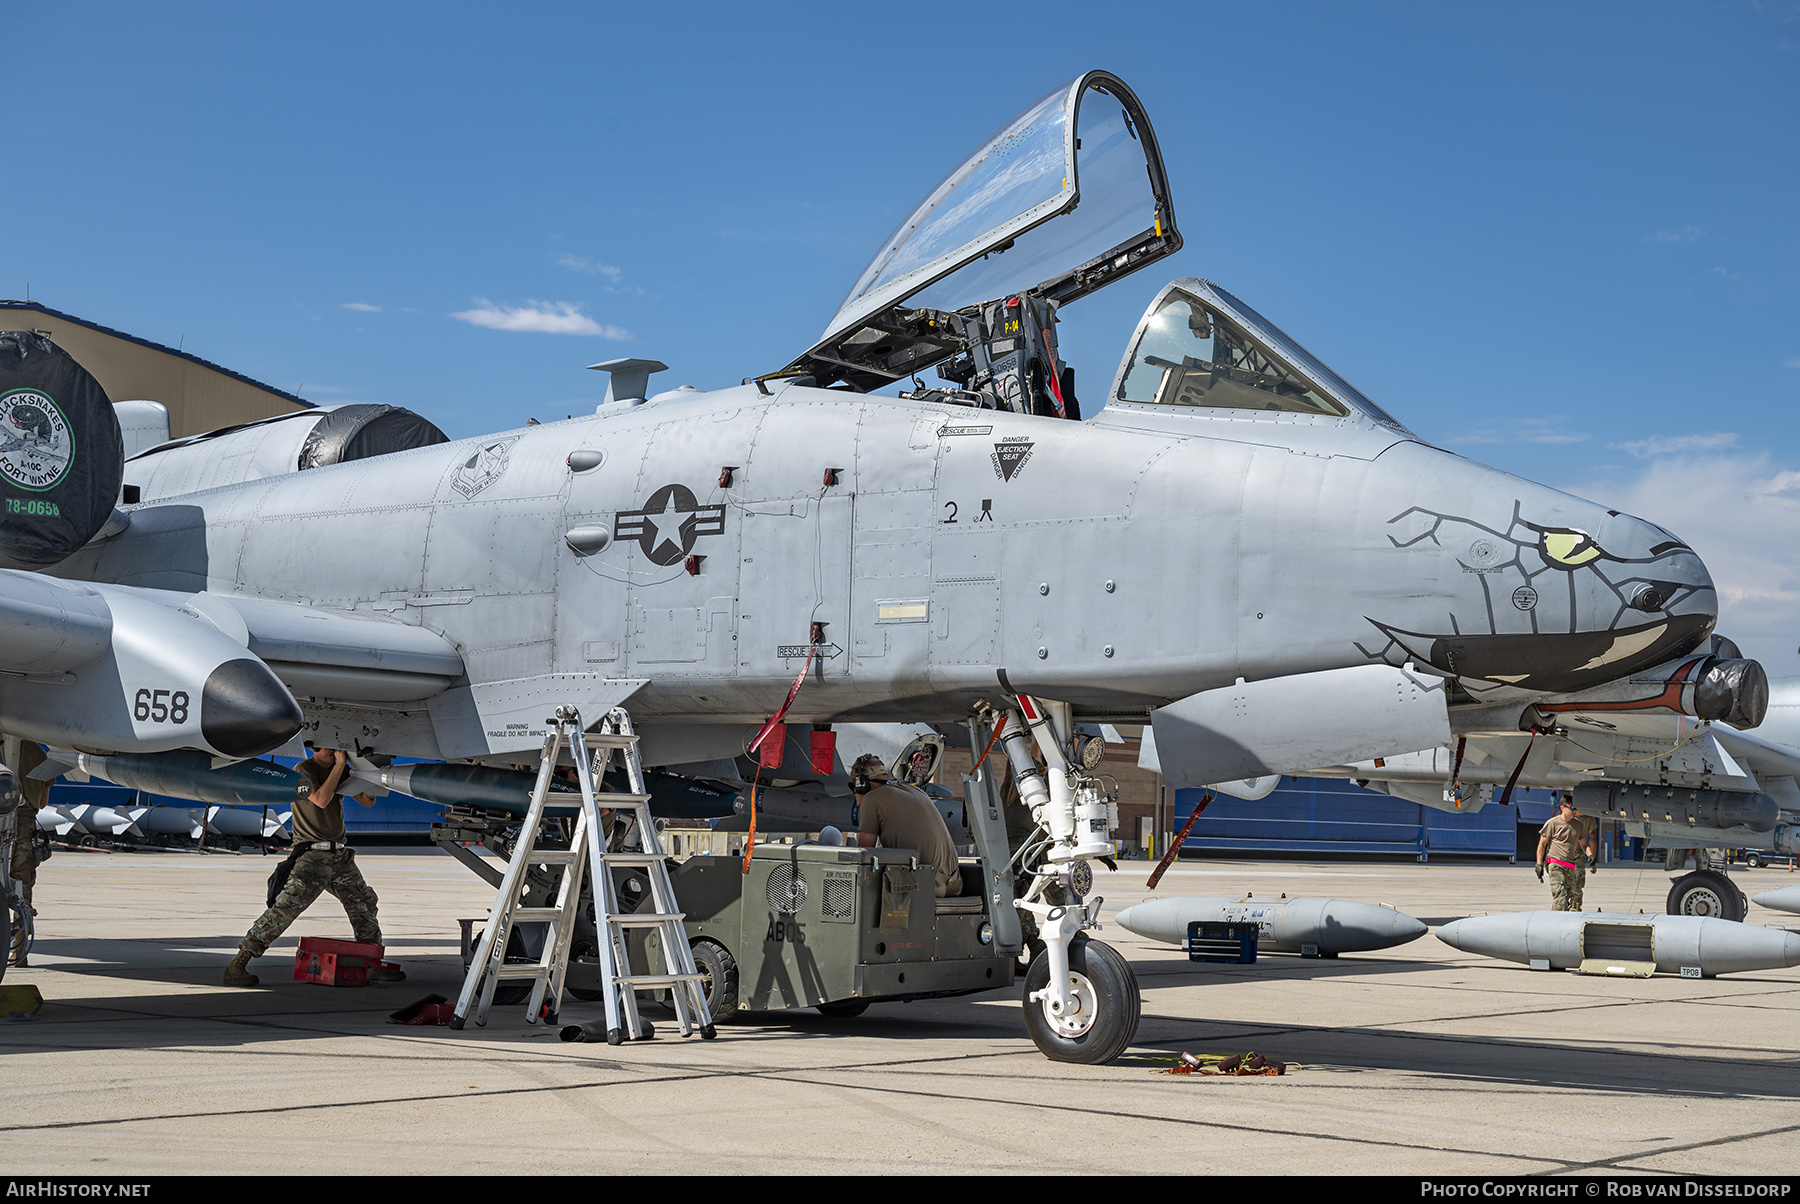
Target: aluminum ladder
{"points": [[590, 846]]}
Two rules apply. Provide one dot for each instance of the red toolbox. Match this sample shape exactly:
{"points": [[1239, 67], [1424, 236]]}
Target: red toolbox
{"points": [[335, 963]]}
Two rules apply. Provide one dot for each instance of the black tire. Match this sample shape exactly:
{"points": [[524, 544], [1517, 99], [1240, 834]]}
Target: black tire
{"points": [[718, 979], [1704, 893], [1753, 860], [848, 1009], [1112, 989]]}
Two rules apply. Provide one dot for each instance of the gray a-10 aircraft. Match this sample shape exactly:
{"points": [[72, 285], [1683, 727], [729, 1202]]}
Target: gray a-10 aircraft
{"points": [[1238, 547]]}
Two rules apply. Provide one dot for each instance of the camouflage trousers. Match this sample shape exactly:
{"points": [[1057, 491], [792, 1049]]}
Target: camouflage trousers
{"points": [[1565, 888], [318, 870], [24, 855]]}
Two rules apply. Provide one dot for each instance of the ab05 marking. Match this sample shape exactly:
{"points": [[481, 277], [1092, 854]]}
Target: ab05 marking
{"points": [[784, 930]]}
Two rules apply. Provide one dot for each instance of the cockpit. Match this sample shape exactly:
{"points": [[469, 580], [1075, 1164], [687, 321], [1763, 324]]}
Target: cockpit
{"points": [[1068, 197], [1200, 346]]}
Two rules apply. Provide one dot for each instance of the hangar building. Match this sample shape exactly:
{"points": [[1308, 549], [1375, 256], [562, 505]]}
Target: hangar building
{"points": [[200, 396]]}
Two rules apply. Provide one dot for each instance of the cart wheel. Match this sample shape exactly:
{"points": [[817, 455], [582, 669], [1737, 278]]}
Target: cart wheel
{"points": [[1107, 1012], [846, 1010], [1704, 893], [718, 978]]}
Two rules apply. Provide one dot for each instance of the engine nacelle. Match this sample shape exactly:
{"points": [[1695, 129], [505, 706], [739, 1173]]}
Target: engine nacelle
{"points": [[283, 444], [1728, 689], [61, 454]]}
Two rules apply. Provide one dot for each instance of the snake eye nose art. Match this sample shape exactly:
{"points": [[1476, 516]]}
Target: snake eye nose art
{"points": [[1553, 608], [1568, 547]]}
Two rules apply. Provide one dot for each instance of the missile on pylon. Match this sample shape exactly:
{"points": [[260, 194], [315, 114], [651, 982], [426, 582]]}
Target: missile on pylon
{"points": [[1310, 927], [1785, 899], [187, 774], [1692, 946], [510, 789]]}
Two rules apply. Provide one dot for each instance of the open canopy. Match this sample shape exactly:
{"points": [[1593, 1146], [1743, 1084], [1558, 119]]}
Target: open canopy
{"points": [[1068, 197]]}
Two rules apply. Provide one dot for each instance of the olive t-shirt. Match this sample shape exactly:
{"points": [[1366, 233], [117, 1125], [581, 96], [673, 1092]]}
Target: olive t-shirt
{"points": [[904, 818], [1568, 838], [312, 822]]}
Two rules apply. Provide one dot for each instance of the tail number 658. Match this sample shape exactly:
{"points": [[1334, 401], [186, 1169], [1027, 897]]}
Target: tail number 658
{"points": [[161, 706]]}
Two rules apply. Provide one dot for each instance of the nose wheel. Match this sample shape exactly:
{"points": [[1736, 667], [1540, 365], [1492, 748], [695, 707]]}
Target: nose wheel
{"points": [[1106, 1006]]}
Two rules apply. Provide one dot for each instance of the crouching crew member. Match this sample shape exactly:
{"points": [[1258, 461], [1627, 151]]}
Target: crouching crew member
{"points": [[322, 861], [903, 817]]}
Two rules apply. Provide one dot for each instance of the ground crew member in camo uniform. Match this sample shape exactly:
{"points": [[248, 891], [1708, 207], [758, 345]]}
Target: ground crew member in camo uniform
{"points": [[34, 794], [1566, 847], [323, 862]]}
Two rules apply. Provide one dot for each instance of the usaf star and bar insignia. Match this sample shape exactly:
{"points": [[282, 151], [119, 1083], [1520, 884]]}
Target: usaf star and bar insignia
{"points": [[666, 528]]}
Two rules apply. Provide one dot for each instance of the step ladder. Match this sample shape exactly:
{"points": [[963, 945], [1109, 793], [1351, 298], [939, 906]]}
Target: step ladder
{"points": [[590, 846]]}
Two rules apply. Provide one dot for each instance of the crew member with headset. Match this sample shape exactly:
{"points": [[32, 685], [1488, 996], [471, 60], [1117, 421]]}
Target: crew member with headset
{"points": [[902, 816], [322, 861]]}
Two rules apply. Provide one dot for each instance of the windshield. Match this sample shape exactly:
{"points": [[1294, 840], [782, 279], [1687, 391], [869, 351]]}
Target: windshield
{"points": [[1219, 353]]}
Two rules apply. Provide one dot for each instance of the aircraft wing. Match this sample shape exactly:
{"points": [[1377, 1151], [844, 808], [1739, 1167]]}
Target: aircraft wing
{"points": [[103, 666], [1763, 757], [339, 653]]}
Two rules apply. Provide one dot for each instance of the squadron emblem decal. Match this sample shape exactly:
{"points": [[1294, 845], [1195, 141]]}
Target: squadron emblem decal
{"points": [[483, 468], [36, 445], [1010, 456], [669, 523]]}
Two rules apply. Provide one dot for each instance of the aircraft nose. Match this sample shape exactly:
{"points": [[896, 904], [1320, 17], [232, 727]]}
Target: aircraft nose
{"points": [[1549, 593]]}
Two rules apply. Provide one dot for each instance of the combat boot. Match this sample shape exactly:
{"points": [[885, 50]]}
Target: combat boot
{"points": [[382, 972], [237, 974]]}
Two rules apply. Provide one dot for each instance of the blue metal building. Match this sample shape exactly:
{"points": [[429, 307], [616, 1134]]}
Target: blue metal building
{"points": [[1333, 816]]}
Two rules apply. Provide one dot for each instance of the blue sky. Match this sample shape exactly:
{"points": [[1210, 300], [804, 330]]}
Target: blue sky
{"points": [[1560, 239]]}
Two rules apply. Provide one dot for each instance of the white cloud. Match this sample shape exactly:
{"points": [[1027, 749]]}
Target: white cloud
{"points": [[362, 307], [539, 317], [1525, 430], [1665, 445], [1742, 514], [1682, 234], [581, 263]]}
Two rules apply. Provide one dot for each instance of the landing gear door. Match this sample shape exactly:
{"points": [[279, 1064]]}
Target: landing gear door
{"points": [[1068, 197]]}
